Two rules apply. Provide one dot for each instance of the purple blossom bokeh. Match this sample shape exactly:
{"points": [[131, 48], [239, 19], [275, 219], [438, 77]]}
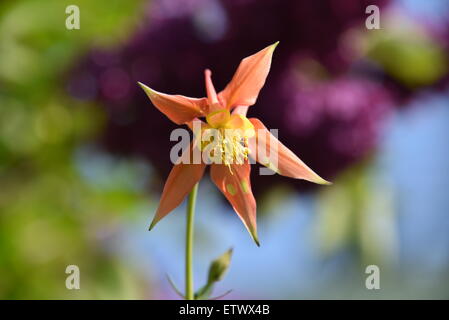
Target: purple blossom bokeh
{"points": [[330, 119]]}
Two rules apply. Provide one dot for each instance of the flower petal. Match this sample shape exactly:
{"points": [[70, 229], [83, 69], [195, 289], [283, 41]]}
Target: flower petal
{"points": [[288, 164], [180, 182], [241, 110], [218, 118], [239, 122], [236, 187], [248, 79], [177, 108]]}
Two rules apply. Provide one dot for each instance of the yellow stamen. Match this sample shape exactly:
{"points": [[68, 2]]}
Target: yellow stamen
{"points": [[226, 146], [227, 142]]}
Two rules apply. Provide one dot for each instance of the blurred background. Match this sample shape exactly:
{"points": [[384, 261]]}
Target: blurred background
{"points": [[84, 154]]}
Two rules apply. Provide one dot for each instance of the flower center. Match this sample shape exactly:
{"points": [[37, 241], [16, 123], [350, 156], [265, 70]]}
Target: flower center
{"points": [[227, 146], [225, 140]]}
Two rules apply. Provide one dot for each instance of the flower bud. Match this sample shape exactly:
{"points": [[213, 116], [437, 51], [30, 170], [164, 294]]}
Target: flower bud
{"points": [[219, 267]]}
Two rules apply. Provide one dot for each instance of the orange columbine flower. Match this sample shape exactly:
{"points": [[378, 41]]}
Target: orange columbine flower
{"points": [[232, 174]]}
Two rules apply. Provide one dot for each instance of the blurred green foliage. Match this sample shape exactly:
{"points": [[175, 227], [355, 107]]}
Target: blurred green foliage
{"points": [[358, 213], [407, 53], [51, 213]]}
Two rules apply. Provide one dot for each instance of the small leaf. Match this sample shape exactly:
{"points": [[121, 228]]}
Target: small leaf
{"points": [[221, 295], [172, 284]]}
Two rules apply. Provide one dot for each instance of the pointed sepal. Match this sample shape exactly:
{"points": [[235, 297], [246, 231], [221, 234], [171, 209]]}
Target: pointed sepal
{"points": [[235, 184], [287, 163], [179, 109], [180, 182], [249, 79]]}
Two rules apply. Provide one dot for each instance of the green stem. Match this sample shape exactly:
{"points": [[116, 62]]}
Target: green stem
{"points": [[189, 295]]}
